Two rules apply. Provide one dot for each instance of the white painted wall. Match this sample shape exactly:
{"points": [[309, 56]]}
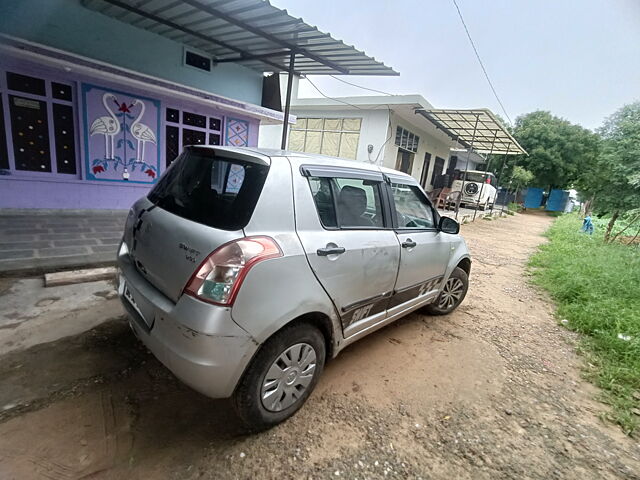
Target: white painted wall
{"points": [[427, 144], [378, 129], [373, 130]]}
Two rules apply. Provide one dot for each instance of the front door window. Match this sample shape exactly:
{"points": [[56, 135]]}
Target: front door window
{"points": [[424, 254], [411, 209]]}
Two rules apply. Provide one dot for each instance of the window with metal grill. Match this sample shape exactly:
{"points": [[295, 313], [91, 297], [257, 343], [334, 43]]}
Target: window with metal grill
{"points": [[41, 126], [407, 140], [4, 154], [189, 128]]}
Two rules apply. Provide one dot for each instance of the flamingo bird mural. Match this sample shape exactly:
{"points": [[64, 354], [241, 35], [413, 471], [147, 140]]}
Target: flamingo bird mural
{"points": [[141, 132], [109, 126]]}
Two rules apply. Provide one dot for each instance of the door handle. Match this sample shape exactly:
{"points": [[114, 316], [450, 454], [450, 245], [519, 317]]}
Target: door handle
{"points": [[408, 243], [323, 252]]}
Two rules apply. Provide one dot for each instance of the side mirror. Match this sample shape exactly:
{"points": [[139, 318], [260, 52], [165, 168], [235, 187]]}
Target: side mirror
{"points": [[448, 225]]}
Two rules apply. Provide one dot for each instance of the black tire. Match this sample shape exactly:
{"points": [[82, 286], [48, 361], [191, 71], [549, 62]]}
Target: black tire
{"points": [[247, 396], [435, 308]]}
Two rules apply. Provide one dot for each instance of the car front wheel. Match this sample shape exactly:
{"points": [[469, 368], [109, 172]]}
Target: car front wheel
{"points": [[280, 377], [452, 294]]}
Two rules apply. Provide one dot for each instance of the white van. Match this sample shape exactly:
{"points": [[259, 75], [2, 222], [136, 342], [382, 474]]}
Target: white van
{"points": [[479, 188]]}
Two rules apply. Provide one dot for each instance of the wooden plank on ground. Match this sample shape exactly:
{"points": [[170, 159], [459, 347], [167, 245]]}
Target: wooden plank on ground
{"points": [[79, 276]]}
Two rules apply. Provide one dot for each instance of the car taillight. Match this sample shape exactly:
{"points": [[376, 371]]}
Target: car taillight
{"points": [[219, 277]]}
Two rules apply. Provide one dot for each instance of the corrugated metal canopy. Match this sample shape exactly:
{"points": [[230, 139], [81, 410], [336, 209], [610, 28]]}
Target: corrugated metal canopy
{"points": [[249, 32], [490, 135]]}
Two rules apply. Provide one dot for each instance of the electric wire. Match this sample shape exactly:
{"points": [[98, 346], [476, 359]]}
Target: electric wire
{"points": [[332, 98], [486, 74], [360, 86], [360, 108]]}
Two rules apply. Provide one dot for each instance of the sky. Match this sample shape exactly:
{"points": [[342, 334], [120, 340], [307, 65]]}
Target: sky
{"points": [[579, 59]]}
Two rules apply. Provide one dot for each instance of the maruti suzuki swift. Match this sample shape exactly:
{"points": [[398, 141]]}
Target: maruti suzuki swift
{"points": [[245, 270]]}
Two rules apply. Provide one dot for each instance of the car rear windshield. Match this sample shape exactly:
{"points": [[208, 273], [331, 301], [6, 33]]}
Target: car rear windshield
{"points": [[472, 176], [213, 190]]}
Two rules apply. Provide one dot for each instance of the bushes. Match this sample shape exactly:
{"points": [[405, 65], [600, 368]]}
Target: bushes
{"points": [[597, 290]]}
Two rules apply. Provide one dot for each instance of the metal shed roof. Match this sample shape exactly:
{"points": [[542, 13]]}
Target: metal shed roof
{"points": [[476, 129], [249, 32]]}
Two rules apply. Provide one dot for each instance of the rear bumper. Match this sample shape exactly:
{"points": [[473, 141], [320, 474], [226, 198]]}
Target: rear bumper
{"points": [[198, 342]]}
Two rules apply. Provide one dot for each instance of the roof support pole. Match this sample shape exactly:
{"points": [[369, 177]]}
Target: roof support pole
{"points": [[466, 167], [504, 162], [287, 105], [485, 177]]}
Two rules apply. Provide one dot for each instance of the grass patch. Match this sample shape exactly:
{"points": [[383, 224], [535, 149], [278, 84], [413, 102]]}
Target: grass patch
{"points": [[597, 291], [555, 214], [514, 207]]}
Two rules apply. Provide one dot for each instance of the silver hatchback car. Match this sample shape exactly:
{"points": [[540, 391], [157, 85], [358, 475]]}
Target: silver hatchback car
{"points": [[244, 270]]}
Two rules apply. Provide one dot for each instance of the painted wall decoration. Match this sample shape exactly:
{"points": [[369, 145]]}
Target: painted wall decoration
{"points": [[237, 132], [122, 135]]}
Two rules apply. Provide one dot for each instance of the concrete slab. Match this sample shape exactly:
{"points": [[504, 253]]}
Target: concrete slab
{"points": [[57, 279], [31, 314], [41, 241]]}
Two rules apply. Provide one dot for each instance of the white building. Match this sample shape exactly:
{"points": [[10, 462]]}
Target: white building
{"points": [[385, 130]]}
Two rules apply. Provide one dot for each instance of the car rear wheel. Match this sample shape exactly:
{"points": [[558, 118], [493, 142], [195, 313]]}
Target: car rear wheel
{"points": [[452, 294], [280, 377]]}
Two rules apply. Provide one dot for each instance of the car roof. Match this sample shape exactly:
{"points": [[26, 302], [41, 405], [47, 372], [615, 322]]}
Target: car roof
{"points": [[301, 158]]}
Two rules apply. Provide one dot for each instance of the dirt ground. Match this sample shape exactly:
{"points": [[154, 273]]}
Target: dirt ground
{"points": [[490, 391]]}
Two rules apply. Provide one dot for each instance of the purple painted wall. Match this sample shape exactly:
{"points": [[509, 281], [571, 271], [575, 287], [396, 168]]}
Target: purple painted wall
{"points": [[104, 187], [55, 193]]}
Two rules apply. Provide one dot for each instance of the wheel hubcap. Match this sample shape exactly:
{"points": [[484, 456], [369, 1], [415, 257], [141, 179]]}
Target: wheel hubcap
{"points": [[288, 377], [451, 293]]}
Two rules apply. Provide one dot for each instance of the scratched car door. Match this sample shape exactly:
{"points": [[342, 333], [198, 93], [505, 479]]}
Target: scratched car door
{"points": [[349, 242]]}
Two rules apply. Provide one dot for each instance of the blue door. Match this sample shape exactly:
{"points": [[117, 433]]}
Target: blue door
{"points": [[533, 198], [557, 200]]}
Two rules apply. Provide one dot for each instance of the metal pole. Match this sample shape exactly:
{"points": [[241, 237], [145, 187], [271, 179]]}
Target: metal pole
{"points": [[287, 105], [486, 169], [466, 167], [504, 162]]}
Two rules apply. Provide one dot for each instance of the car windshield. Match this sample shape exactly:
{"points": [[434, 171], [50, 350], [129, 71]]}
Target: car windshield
{"points": [[213, 190]]}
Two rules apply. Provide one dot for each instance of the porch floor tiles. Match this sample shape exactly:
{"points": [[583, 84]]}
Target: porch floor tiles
{"points": [[36, 241]]}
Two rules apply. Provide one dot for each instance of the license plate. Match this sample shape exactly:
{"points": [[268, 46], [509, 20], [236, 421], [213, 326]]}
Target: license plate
{"points": [[129, 296]]}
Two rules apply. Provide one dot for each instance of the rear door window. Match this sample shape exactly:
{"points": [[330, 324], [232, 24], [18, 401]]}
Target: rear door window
{"points": [[213, 190], [347, 202]]}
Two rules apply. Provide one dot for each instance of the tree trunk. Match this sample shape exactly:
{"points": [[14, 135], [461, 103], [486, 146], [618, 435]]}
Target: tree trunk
{"points": [[588, 205], [610, 225]]}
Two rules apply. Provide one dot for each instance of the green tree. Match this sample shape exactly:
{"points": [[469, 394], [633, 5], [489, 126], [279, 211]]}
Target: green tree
{"points": [[613, 181], [558, 149], [521, 177]]}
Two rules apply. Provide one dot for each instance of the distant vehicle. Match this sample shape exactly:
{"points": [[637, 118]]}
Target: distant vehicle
{"points": [[244, 269], [479, 188]]}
